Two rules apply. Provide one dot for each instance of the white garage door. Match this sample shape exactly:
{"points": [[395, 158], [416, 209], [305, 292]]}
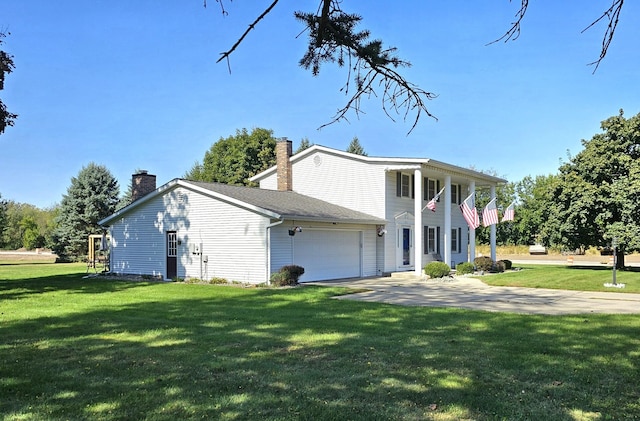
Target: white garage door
{"points": [[327, 254]]}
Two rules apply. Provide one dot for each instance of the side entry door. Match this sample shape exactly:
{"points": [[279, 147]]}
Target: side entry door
{"points": [[172, 254]]}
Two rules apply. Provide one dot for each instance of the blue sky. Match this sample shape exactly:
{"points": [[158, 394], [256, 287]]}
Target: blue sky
{"points": [[134, 85]]}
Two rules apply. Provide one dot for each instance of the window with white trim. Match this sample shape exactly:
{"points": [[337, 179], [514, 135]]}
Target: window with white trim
{"points": [[431, 240], [432, 188], [172, 244], [456, 237], [404, 185], [455, 193]]}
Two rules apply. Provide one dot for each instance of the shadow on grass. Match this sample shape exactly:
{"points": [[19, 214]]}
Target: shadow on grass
{"points": [[73, 283], [170, 351]]}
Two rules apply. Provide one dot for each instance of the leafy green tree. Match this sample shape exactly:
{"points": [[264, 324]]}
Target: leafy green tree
{"points": [[12, 234], [233, 160], [355, 147], [27, 226], [3, 219], [92, 196], [304, 144], [31, 237], [6, 67], [534, 204], [597, 197]]}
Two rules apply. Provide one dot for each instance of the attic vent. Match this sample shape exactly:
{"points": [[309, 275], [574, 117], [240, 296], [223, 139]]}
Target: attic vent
{"points": [[317, 160], [180, 198]]}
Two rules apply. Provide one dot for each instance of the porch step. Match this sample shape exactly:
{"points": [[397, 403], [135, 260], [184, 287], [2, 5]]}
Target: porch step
{"points": [[405, 275]]}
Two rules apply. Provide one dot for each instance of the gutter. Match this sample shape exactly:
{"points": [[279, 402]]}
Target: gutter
{"points": [[268, 243]]}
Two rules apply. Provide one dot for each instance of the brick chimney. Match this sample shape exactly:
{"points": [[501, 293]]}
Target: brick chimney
{"points": [[283, 164], [142, 184]]}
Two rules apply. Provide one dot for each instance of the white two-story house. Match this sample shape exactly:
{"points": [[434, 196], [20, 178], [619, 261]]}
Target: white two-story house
{"points": [[334, 213], [396, 190]]}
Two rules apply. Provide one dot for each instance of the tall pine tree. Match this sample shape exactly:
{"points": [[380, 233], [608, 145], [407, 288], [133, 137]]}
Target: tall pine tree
{"points": [[91, 197]]}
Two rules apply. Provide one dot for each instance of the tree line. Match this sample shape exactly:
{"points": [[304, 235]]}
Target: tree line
{"points": [[592, 201]]}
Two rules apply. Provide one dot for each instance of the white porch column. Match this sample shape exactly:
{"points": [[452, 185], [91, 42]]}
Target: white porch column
{"points": [[417, 230], [446, 257], [472, 231], [493, 228]]}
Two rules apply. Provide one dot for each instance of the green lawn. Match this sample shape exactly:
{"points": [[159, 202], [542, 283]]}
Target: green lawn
{"points": [[581, 278], [97, 349]]}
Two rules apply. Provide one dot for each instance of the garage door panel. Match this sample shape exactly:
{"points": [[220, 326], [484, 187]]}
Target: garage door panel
{"points": [[327, 254]]}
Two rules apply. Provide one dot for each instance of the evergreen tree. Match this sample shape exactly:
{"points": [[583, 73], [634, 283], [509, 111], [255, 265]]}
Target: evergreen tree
{"points": [[92, 196], [355, 147], [127, 196], [233, 160], [304, 144]]}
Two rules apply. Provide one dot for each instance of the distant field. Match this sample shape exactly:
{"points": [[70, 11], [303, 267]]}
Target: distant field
{"points": [[26, 257]]}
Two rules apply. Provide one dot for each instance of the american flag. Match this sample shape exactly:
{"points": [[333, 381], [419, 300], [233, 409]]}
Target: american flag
{"points": [[509, 213], [490, 213], [470, 213], [432, 203]]}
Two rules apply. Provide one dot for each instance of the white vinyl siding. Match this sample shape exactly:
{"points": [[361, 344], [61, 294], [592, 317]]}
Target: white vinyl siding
{"points": [[340, 180], [232, 238]]}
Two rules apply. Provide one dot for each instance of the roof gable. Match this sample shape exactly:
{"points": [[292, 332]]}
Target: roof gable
{"points": [[390, 163], [270, 203]]}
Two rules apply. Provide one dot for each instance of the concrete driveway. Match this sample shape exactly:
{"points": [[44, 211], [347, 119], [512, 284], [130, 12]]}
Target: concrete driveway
{"points": [[470, 293]]}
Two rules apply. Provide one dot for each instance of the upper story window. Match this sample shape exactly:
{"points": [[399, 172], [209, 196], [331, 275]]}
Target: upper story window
{"points": [[455, 193], [431, 188], [404, 185]]}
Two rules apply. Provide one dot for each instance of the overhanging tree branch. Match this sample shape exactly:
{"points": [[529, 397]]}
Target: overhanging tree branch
{"points": [[514, 32], [333, 39], [613, 15], [226, 54]]}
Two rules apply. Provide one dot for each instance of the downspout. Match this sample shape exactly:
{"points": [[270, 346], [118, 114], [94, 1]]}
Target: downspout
{"points": [[268, 244]]}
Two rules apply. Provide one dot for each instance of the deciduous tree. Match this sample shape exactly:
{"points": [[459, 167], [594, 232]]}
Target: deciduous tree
{"points": [[3, 220], [6, 67], [92, 196], [233, 160], [597, 197]]}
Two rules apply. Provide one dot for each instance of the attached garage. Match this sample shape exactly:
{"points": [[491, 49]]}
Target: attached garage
{"points": [[328, 254], [240, 234]]}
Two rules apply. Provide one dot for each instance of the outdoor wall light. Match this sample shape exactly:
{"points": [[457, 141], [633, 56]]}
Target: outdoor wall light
{"points": [[381, 231], [293, 231]]}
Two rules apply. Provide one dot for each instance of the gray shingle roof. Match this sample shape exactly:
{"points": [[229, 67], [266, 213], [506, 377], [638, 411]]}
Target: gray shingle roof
{"points": [[288, 204]]}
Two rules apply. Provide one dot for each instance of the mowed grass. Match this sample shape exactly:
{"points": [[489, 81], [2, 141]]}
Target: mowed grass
{"points": [[97, 349], [570, 277]]}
